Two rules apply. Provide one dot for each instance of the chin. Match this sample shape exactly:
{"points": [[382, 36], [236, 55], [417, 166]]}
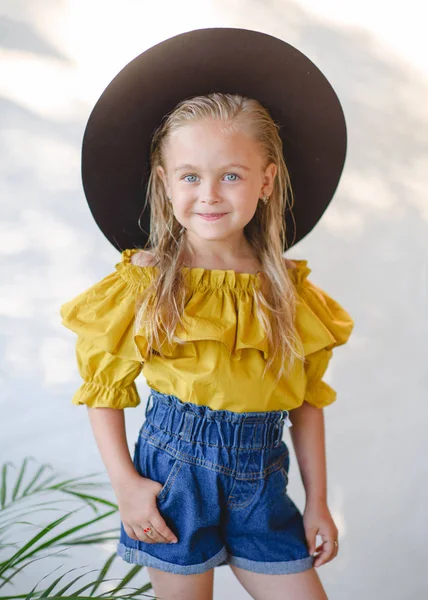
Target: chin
{"points": [[214, 236]]}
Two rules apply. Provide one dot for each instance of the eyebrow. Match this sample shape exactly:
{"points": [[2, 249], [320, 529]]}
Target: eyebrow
{"points": [[221, 168]]}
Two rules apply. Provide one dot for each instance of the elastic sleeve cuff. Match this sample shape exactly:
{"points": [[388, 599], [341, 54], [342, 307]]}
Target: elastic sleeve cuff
{"points": [[320, 394], [95, 395]]}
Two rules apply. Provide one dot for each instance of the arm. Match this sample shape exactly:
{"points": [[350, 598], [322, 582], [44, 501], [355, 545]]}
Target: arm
{"points": [[108, 426], [308, 437], [322, 324], [136, 495], [309, 443], [108, 363]]}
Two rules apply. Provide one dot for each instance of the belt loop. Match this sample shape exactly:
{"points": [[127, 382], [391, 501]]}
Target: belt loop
{"points": [[287, 419], [148, 403], [279, 431], [186, 430]]}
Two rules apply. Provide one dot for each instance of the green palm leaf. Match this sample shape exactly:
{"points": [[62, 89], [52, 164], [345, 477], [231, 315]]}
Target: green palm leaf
{"points": [[38, 492]]}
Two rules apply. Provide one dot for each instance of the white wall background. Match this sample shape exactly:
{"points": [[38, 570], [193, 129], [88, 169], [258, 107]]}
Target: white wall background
{"points": [[369, 251]]}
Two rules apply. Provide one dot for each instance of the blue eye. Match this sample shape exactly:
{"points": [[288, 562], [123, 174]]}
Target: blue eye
{"points": [[185, 178]]}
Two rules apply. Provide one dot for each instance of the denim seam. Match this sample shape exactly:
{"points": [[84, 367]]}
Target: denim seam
{"points": [[169, 481], [247, 502], [236, 504], [214, 467], [242, 505]]}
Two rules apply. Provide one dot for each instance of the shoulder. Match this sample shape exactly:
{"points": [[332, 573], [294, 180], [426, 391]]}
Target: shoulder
{"points": [[290, 264], [143, 258]]}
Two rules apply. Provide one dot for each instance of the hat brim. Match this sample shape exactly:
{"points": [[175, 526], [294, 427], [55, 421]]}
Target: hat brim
{"points": [[116, 142]]}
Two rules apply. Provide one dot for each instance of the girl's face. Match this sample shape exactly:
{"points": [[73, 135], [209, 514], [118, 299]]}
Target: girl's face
{"points": [[210, 170]]}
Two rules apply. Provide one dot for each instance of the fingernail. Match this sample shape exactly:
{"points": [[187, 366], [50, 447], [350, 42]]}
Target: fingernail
{"points": [[174, 542]]}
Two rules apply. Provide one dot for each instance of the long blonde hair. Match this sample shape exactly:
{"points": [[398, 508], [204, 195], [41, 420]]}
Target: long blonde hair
{"points": [[161, 305]]}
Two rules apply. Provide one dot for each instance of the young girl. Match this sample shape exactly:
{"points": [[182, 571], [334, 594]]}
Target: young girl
{"points": [[233, 340]]}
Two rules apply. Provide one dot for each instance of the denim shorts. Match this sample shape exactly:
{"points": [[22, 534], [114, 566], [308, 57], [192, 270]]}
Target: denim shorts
{"points": [[224, 494]]}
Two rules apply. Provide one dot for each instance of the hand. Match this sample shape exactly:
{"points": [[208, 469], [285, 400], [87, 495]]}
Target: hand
{"points": [[137, 506], [318, 520]]}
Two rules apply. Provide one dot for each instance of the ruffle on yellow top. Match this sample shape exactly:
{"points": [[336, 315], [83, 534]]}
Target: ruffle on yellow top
{"points": [[220, 322]]}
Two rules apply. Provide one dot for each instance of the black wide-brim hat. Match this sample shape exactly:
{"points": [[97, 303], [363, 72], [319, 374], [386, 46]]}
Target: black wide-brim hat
{"points": [[116, 143]]}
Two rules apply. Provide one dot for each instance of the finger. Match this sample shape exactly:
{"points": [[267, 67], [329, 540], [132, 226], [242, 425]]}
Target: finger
{"points": [[143, 536], [335, 550], [327, 553], [154, 533], [151, 536], [162, 527], [321, 559], [321, 547], [324, 556], [330, 544], [130, 532], [310, 540]]}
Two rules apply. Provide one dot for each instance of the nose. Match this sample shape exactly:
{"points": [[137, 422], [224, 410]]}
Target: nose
{"points": [[209, 192]]}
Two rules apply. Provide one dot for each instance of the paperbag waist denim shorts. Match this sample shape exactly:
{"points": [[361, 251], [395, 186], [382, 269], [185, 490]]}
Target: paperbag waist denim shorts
{"points": [[224, 494]]}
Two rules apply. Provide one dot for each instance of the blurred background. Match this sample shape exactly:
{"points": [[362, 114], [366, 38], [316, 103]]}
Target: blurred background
{"points": [[369, 252]]}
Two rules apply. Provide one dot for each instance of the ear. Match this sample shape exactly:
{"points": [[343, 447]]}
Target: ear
{"points": [[161, 173], [268, 179]]}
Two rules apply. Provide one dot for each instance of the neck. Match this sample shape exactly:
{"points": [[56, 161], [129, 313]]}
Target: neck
{"points": [[217, 252]]}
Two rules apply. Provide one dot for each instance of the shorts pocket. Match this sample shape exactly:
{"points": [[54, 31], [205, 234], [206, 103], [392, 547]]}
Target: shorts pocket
{"points": [[136, 457], [285, 477], [278, 478], [174, 470], [158, 465], [285, 466]]}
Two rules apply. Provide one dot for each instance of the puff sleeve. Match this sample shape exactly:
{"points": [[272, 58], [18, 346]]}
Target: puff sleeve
{"points": [[323, 324], [107, 358]]}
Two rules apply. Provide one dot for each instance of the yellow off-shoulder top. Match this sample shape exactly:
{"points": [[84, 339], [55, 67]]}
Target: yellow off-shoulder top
{"points": [[222, 363]]}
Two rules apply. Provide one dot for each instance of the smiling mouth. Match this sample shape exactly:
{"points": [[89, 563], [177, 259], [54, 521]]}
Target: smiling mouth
{"points": [[211, 216]]}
